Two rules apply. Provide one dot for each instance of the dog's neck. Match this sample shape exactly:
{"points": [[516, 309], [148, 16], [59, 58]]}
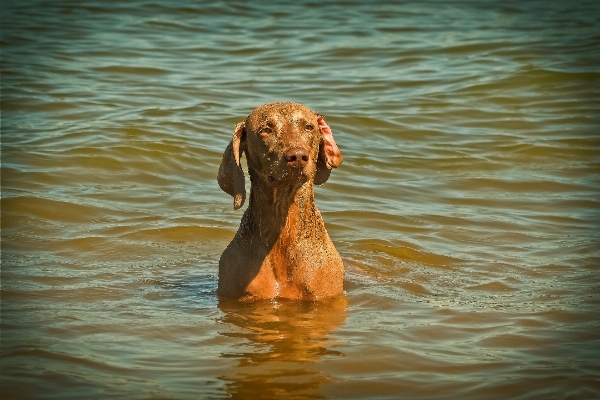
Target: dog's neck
{"points": [[287, 207]]}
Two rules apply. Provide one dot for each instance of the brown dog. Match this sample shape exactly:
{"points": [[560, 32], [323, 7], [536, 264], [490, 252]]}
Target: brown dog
{"points": [[281, 248]]}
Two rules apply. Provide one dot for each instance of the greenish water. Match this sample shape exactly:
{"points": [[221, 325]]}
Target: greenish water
{"points": [[467, 209]]}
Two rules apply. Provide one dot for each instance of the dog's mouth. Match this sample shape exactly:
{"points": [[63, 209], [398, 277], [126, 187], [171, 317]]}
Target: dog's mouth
{"points": [[290, 175]]}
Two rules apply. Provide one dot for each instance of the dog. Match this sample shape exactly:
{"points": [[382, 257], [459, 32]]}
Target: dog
{"points": [[281, 249]]}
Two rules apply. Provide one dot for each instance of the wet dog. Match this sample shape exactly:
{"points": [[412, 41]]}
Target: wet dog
{"points": [[281, 248]]}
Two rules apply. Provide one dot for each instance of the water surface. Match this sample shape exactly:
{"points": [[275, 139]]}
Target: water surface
{"points": [[467, 209]]}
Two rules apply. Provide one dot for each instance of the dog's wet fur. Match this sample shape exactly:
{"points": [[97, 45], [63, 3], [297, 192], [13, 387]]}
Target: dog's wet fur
{"points": [[281, 249]]}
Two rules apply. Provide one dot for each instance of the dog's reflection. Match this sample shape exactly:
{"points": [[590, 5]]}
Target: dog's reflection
{"points": [[285, 342]]}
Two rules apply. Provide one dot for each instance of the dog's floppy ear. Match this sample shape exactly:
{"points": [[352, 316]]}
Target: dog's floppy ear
{"points": [[329, 154], [231, 176]]}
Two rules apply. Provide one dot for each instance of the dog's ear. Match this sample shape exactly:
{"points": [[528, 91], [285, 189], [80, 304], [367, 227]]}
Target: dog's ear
{"points": [[231, 175], [329, 154]]}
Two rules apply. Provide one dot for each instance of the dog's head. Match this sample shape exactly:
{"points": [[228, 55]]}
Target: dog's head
{"points": [[283, 142]]}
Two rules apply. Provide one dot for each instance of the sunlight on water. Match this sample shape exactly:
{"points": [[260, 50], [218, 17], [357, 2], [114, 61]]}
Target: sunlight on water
{"points": [[466, 210]]}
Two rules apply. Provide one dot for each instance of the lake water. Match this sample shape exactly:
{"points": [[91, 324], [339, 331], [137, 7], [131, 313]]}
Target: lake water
{"points": [[467, 209]]}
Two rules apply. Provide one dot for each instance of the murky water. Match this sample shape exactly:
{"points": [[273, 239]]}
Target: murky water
{"points": [[467, 210]]}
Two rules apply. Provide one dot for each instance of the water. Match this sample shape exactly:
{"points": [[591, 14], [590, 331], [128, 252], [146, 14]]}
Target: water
{"points": [[467, 210]]}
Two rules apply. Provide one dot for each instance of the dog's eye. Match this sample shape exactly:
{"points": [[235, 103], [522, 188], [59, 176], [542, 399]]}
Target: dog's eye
{"points": [[265, 131], [309, 127]]}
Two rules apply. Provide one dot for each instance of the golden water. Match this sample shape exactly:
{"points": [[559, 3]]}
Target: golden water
{"points": [[467, 209]]}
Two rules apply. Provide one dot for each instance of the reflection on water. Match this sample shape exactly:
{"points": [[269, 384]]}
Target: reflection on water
{"points": [[283, 341]]}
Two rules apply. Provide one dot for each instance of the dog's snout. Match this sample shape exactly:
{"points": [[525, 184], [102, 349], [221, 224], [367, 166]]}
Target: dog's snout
{"points": [[297, 157]]}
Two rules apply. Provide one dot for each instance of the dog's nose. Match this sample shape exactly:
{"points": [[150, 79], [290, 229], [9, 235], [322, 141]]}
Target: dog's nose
{"points": [[297, 157]]}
